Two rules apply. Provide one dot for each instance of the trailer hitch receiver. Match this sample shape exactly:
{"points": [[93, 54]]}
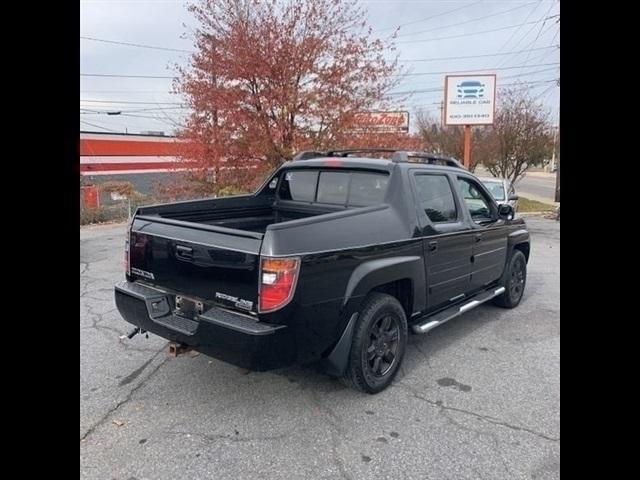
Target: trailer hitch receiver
{"points": [[176, 349]]}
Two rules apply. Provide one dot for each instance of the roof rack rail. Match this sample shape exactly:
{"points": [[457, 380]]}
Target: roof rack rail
{"points": [[425, 157], [309, 154], [398, 156]]}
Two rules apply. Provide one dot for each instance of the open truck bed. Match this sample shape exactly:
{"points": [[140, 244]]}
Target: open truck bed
{"points": [[244, 213]]}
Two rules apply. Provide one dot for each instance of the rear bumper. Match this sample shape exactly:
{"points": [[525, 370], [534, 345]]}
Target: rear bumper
{"points": [[221, 334]]}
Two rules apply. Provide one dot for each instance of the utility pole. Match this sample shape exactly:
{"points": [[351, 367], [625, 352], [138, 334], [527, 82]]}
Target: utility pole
{"points": [[553, 153], [558, 171], [557, 199]]}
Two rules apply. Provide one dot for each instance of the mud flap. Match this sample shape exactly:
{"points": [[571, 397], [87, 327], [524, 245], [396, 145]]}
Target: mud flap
{"points": [[336, 362]]}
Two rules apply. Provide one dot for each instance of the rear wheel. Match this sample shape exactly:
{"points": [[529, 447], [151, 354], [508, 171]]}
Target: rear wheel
{"points": [[515, 281], [378, 345]]}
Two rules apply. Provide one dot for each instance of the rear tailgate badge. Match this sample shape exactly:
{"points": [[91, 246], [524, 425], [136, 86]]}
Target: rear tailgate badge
{"points": [[143, 273], [237, 302]]}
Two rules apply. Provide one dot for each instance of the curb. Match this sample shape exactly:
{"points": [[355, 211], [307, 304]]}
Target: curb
{"points": [[533, 214]]}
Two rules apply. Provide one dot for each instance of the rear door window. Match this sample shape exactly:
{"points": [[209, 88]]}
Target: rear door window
{"points": [[367, 189], [299, 185], [333, 188]]}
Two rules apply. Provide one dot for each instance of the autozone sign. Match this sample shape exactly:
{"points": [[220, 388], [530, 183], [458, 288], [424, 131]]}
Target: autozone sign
{"points": [[382, 121]]}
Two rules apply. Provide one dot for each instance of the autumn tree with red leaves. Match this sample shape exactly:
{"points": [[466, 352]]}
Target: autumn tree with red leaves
{"points": [[273, 77]]}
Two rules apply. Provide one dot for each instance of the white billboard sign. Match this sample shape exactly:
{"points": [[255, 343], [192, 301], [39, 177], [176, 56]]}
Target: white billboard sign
{"points": [[469, 99]]}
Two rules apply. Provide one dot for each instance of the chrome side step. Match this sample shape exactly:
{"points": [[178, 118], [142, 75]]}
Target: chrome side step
{"points": [[439, 318]]}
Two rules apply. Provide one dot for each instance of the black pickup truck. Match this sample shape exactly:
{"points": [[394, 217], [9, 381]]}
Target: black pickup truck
{"points": [[334, 260]]}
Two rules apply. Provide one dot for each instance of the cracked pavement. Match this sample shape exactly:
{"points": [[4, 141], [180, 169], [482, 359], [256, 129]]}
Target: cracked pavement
{"points": [[475, 398]]}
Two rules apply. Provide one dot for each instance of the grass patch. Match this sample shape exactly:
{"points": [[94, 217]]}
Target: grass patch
{"points": [[527, 205]]}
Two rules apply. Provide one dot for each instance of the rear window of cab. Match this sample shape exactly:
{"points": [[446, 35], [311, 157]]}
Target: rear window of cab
{"points": [[332, 187]]}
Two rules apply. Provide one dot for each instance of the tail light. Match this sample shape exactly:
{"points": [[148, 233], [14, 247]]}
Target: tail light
{"points": [[127, 251], [127, 263], [278, 277]]}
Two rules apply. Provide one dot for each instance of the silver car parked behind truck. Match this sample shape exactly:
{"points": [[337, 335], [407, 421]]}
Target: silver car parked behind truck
{"points": [[502, 191]]}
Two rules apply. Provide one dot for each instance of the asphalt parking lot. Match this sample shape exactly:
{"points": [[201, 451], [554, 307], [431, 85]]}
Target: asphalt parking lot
{"points": [[477, 398]]}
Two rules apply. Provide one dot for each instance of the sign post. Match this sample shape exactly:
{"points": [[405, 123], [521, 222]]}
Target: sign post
{"points": [[467, 147], [469, 100]]}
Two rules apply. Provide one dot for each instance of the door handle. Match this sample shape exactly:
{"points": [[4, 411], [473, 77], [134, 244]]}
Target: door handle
{"points": [[433, 245], [478, 237], [184, 252]]}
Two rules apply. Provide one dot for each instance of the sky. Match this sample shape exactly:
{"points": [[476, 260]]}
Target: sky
{"points": [[512, 38]]}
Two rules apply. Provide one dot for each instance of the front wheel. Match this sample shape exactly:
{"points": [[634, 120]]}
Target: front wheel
{"points": [[378, 345], [515, 281]]}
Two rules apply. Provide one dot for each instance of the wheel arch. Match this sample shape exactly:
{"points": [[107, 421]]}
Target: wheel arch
{"points": [[400, 277]]}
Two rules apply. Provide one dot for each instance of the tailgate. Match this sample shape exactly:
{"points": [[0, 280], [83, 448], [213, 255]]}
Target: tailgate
{"points": [[213, 265]]}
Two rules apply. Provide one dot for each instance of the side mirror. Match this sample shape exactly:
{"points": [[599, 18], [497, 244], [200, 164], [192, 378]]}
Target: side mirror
{"points": [[505, 212], [513, 197]]}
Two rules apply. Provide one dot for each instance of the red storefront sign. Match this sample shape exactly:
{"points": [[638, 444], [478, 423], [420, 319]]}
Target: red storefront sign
{"points": [[382, 121]]}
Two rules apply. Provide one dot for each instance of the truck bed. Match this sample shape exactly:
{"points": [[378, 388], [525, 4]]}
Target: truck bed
{"points": [[245, 213]]}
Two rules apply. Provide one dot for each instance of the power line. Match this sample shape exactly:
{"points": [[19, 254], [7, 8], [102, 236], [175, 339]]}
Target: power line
{"points": [[428, 18], [526, 34], [432, 105], [467, 21], [171, 122], [545, 56], [161, 109], [526, 74], [149, 76], [104, 112], [476, 56], [479, 69], [121, 76], [507, 77], [134, 91], [522, 85], [140, 45], [526, 48], [544, 92], [539, 32], [440, 89], [157, 108], [96, 126], [472, 33], [156, 47], [131, 102], [515, 32]]}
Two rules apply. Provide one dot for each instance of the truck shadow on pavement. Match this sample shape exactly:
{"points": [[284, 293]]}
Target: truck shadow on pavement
{"points": [[419, 349]]}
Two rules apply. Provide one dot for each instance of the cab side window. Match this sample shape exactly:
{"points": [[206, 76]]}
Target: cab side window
{"points": [[436, 198], [479, 205]]}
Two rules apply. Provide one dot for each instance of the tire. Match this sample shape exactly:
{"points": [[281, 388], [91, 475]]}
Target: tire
{"points": [[380, 316], [514, 282]]}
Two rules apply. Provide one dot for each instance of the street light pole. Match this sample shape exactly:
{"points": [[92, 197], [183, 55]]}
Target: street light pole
{"points": [[553, 153]]}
